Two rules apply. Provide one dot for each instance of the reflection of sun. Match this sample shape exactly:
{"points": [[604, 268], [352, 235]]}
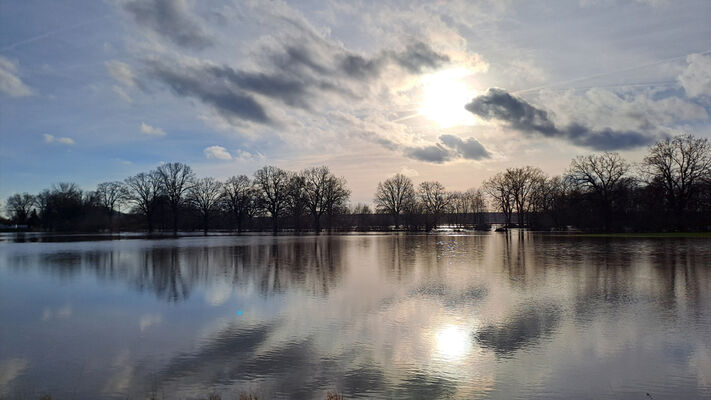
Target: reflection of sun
{"points": [[452, 342], [445, 94]]}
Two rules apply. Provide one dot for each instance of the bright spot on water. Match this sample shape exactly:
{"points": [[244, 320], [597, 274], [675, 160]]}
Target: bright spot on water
{"points": [[453, 342]]}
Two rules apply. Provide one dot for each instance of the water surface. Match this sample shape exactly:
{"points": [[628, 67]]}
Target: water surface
{"points": [[369, 316]]}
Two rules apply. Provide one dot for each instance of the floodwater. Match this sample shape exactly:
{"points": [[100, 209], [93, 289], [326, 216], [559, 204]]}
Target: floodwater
{"points": [[368, 316]]}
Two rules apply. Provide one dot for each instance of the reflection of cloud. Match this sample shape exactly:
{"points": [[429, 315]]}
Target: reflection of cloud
{"points": [[148, 320], [11, 369], [218, 294], [520, 330], [122, 379], [700, 361], [63, 312]]}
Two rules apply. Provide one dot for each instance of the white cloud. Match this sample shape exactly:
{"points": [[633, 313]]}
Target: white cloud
{"points": [[410, 172], [217, 152], [121, 72], [10, 83], [696, 78], [121, 92], [54, 139], [151, 130]]}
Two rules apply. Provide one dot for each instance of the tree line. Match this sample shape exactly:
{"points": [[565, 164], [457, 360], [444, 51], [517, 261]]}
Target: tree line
{"points": [[670, 189]]}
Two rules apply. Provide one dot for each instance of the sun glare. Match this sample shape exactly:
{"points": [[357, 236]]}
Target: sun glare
{"points": [[445, 94], [452, 342]]}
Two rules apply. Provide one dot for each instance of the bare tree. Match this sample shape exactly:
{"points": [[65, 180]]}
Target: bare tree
{"points": [[273, 188], [524, 184], [315, 181], [498, 188], [205, 195], [175, 180], [679, 165], [394, 196], [142, 190], [336, 195], [434, 199], [110, 196], [297, 201], [19, 206], [601, 175], [239, 197], [477, 205], [324, 193]]}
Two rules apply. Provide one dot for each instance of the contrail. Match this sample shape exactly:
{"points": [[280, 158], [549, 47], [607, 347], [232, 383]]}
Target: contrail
{"points": [[607, 73], [51, 33]]}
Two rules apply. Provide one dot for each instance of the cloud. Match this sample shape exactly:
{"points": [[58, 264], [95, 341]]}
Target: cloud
{"points": [[150, 130], [450, 147], [121, 72], [469, 149], [520, 115], [204, 84], [10, 82], [171, 20], [696, 77], [435, 153], [410, 172], [217, 152], [53, 139], [297, 75], [418, 57]]}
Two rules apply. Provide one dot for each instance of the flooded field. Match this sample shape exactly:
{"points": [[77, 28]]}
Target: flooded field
{"points": [[368, 316]]}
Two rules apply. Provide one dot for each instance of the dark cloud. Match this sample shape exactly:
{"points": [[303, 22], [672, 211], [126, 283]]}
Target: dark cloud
{"points": [[434, 154], [170, 19], [359, 67], [418, 57], [449, 148], [298, 74], [228, 100], [469, 149], [520, 115]]}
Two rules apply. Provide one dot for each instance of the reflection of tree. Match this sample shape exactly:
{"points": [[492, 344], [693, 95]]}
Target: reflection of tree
{"points": [[312, 264], [161, 272]]}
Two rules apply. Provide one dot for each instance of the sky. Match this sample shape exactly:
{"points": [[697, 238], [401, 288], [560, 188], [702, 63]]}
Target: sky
{"points": [[455, 91]]}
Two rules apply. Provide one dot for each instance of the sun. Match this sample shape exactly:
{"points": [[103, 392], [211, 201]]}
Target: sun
{"points": [[445, 94]]}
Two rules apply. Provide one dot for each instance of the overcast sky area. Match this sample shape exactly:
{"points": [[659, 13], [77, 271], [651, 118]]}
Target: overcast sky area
{"points": [[454, 91]]}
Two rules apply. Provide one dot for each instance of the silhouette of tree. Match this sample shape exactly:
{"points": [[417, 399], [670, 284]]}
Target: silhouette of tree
{"points": [[394, 196], [315, 181], [524, 185], [434, 199], [601, 175], [19, 206], [239, 198], [273, 191], [175, 180], [679, 165], [500, 191], [336, 194], [205, 195], [110, 195], [143, 190]]}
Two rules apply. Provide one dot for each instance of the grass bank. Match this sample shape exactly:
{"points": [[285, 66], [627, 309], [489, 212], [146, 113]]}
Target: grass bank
{"points": [[647, 235]]}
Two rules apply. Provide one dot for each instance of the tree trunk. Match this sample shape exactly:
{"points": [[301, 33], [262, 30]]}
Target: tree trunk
{"points": [[317, 224], [175, 220]]}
